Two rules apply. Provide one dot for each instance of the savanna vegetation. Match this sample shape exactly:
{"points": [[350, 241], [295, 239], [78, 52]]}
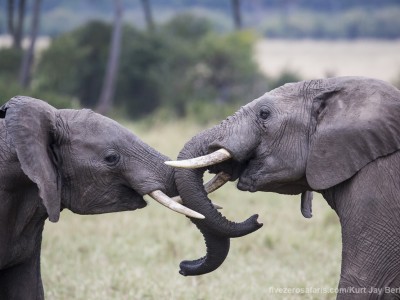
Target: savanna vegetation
{"points": [[174, 68], [183, 69], [187, 65]]}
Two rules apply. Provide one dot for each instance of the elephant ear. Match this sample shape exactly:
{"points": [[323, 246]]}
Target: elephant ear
{"points": [[31, 125], [356, 121]]}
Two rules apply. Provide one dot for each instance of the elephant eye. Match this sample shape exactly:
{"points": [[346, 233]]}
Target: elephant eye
{"points": [[264, 114], [112, 159]]}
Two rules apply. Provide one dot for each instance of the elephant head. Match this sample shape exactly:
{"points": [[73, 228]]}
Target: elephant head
{"points": [[306, 136], [83, 161]]}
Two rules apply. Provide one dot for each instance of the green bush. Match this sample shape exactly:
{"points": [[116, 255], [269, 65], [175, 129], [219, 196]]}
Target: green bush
{"points": [[74, 64], [228, 67], [177, 67], [10, 62], [8, 89], [11, 87], [206, 112], [143, 57]]}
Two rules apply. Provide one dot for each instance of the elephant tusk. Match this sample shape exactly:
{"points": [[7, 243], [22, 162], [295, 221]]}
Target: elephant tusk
{"points": [[214, 184], [163, 199], [201, 161]]}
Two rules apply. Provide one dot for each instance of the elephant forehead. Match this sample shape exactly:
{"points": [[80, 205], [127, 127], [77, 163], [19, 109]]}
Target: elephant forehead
{"points": [[280, 103], [90, 132], [88, 124]]}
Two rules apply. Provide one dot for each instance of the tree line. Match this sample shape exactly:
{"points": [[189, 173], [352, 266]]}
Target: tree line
{"points": [[15, 26], [183, 65]]}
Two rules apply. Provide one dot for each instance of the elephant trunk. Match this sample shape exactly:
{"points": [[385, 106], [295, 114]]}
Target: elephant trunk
{"points": [[217, 251], [215, 228]]}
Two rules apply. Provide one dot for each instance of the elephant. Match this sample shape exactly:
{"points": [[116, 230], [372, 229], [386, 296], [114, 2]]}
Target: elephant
{"points": [[74, 159], [339, 137]]}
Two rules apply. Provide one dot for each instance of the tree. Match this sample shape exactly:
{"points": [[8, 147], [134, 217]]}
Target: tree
{"points": [[16, 30], [108, 88], [10, 17], [148, 14], [28, 58], [18, 33], [236, 13], [81, 70]]}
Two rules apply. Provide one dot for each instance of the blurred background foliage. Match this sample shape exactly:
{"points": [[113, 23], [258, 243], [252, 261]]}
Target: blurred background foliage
{"points": [[182, 63], [191, 65]]}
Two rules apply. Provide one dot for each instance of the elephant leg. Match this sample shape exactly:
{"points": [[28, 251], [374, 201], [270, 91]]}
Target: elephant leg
{"points": [[22, 281]]}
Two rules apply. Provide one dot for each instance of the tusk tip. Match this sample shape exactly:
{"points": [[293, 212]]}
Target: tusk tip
{"points": [[176, 164], [172, 204]]}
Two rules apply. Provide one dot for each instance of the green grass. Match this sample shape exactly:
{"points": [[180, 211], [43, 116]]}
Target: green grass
{"points": [[135, 255]]}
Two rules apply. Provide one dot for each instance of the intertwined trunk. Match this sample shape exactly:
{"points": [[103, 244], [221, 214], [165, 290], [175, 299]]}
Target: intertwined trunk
{"points": [[215, 228]]}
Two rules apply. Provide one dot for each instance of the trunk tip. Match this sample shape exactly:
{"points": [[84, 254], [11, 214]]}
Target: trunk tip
{"points": [[255, 218]]}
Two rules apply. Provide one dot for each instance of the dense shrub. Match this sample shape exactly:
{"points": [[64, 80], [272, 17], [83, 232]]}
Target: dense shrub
{"points": [[182, 64], [10, 62], [74, 64]]}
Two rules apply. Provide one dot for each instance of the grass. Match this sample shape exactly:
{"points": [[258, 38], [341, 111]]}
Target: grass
{"points": [[135, 255], [320, 58]]}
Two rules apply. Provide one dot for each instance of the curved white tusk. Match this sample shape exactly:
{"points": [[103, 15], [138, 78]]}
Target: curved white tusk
{"points": [[163, 199], [201, 161], [214, 184]]}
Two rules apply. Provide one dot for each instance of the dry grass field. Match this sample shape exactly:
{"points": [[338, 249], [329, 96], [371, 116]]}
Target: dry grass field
{"points": [[135, 255], [316, 59]]}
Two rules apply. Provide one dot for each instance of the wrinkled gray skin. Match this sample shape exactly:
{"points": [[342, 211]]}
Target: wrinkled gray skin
{"points": [[53, 159], [339, 137]]}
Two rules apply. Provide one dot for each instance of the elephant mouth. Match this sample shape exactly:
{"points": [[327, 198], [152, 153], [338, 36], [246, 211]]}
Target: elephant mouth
{"points": [[131, 198], [141, 204], [251, 184], [237, 171], [246, 184], [230, 166], [245, 170]]}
